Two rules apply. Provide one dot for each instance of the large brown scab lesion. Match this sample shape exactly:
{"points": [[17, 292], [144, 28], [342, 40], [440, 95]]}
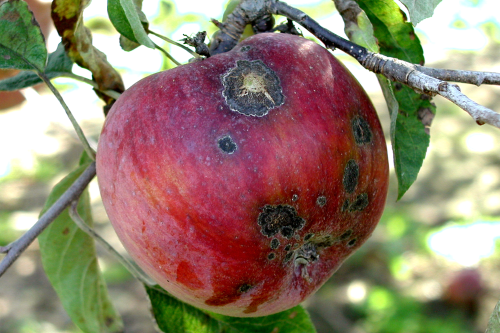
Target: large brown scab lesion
{"points": [[282, 219], [251, 88]]}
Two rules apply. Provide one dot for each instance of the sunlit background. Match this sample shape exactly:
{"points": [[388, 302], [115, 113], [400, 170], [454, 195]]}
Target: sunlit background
{"points": [[432, 265]]}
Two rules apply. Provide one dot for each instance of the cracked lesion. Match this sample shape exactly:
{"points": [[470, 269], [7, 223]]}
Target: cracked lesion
{"points": [[252, 88]]}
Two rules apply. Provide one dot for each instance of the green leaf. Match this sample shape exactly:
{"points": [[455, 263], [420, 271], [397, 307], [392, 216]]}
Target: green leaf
{"points": [[494, 322], [58, 64], [126, 18], [420, 9], [22, 45], [410, 140], [70, 262], [174, 316]]}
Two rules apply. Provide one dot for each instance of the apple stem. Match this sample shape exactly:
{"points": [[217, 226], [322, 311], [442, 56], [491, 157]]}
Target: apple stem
{"points": [[194, 54], [128, 264], [167, 55]]}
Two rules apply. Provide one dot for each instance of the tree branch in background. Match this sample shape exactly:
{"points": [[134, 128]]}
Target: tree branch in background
{"points": [[17, 247], [398, 70], [453, 75]]}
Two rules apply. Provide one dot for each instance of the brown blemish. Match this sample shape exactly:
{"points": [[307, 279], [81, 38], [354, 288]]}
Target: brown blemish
{"points": [[228, 295]]}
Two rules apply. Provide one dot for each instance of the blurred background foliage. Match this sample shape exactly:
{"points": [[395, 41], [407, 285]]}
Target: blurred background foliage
{"points": [[431, 266]]}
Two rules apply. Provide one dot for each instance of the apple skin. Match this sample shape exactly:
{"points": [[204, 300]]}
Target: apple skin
{"points": [[244, 215]]}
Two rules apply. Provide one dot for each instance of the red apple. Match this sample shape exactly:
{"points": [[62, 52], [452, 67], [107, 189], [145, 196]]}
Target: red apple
{"points": [[240, 183]]}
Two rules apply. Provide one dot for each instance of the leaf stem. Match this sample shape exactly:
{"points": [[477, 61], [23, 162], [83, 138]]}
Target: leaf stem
{"points": [[15, 248], [86, 146], [168, 55], [171, 41], [111, 93], [129, 265]]}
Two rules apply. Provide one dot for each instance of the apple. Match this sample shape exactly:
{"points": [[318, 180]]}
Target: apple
{"points": [[241, 182]]}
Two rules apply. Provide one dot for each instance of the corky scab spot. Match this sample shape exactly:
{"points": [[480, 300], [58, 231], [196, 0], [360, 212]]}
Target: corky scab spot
{"points": [[321, 201], [282, 219], [244, 288], [271, 256], [275, 243], [360, 203], [351, 176], [361, 130], [251, 88], [227, 145]]}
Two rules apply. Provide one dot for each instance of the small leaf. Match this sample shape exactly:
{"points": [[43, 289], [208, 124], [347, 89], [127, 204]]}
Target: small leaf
{"points": [[420, 9], [58, 64], [410, 140], [128, 45], [126, 18], [70, 262], [174, 316], [22, 45]]}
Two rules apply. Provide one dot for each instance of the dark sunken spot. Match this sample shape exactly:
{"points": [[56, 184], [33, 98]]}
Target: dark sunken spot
{"points": [[251, 88], [361, 130], [321, 201], [288, 256], [288, 247], [280, 218], [352, 242], [271, 256], [360, 203], [245, 48], [295, 197], [275, 243], [244, 288], [351, 176], [308, 237], [346, 235], [345, 206], [227, 145]]}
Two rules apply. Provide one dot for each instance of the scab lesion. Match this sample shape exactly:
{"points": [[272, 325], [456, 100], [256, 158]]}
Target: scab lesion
{"points": [[227, 145], [282, 219], [351, 176], [361, 130], [252, 88]]}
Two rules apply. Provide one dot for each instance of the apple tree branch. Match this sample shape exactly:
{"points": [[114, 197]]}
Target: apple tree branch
{"points": [[424, 80], [14, 249]]}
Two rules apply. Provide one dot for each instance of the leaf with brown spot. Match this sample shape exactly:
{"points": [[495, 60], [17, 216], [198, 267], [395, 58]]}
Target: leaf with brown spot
{"points": [[22, 45], [77, 39]]}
